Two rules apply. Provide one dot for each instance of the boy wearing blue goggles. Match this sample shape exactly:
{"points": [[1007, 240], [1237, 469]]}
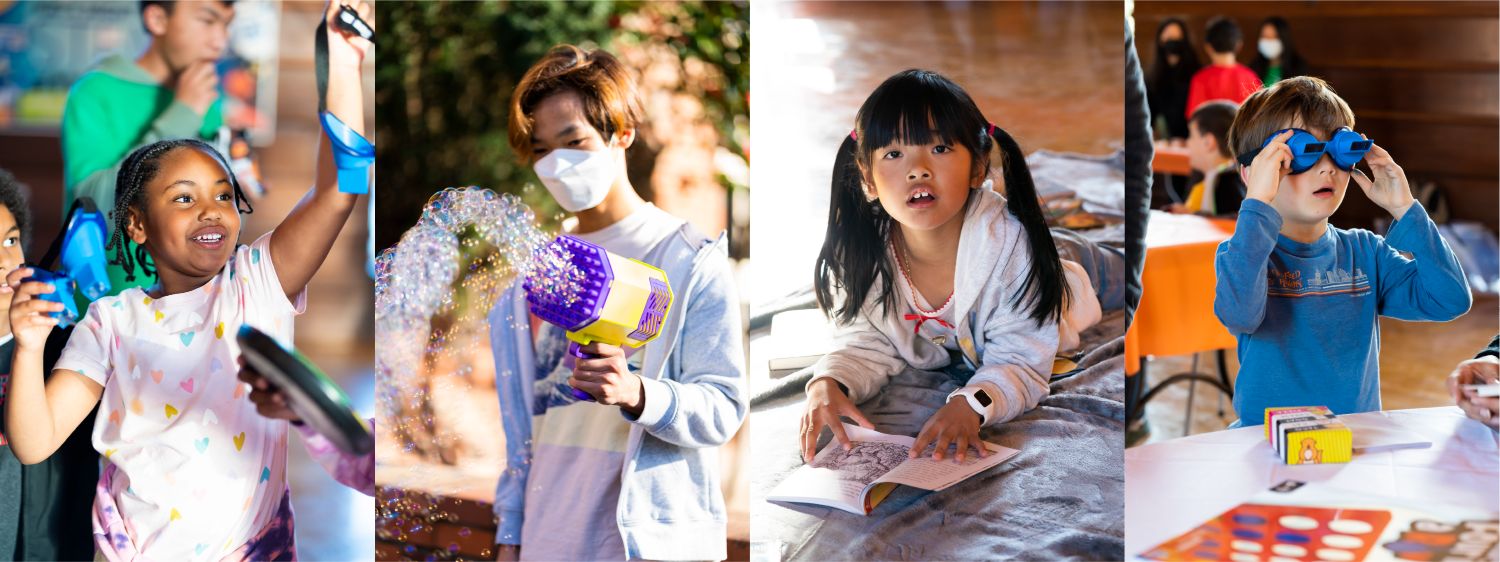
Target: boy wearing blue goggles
{"points": [[1345, 148], [1303, 297]]}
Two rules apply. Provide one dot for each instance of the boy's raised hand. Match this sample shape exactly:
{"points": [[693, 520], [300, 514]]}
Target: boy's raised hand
{"points": [[30, 321], [1388, 188], [954, 424], [346, 51], [198, 86], [826, 404], [1269, 167]]}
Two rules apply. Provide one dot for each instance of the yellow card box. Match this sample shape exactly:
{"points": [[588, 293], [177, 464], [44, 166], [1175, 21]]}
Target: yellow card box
{"points": [[1290, 413], [1316, 442]]}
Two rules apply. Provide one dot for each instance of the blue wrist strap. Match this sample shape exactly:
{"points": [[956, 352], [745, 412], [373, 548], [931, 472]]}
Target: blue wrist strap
{"points": [[351, 152]]}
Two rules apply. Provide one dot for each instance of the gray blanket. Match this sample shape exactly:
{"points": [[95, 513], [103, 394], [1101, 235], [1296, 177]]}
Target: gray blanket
{"points": [[1062, 497]]}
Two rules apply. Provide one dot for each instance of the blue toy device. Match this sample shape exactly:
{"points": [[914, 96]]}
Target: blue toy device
{"points": [[81, 249], [352, 153], [1346, 148]]}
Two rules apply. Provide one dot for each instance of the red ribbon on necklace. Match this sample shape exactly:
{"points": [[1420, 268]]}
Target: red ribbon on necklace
{"points": [[923, 318]]}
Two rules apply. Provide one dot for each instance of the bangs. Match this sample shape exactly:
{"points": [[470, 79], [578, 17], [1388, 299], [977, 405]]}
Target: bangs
{"points": [[1303, 102], [918, 107]]}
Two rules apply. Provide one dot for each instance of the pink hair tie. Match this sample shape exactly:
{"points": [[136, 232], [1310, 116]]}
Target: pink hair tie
{"points": [[992, 129], [854, 135]]}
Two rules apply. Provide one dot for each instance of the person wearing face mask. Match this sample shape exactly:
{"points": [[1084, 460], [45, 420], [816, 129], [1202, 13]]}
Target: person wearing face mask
{"points": [[1170, 76], [633, 473], [1276, 58]]}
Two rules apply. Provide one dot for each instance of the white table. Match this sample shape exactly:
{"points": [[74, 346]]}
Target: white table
{"points": [[1172, 486]]}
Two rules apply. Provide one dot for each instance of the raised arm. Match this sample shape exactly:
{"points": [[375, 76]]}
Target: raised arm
{"points": [[40, 414], [302, 242]]}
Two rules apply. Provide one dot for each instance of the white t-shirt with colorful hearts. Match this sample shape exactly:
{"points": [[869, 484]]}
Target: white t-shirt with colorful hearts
{"points": [[196, 471]]}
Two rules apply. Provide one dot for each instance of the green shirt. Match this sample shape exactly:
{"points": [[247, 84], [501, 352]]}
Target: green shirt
{"points": [[1273, 75], [114, 109]]}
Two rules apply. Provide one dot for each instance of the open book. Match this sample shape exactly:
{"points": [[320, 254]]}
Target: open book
{"points": [[859, 479]]}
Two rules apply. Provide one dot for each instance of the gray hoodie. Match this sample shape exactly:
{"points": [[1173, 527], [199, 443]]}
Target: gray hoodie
{"points": [[1011, 354], [670, 505]]}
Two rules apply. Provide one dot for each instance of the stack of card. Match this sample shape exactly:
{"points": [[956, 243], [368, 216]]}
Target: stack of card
{"points": [[1308, 435]]}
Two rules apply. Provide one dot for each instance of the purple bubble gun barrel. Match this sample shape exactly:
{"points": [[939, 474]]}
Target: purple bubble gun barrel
{"points": [[605, 298]]}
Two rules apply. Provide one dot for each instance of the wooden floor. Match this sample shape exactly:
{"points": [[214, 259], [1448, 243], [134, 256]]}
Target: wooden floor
{"points": [[1415, 359], [1050, 74]]}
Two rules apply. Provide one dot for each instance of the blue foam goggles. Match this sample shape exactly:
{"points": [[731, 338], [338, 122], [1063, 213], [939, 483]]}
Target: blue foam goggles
{"points": [[82, 253], [352, 153], [1346, 148]]}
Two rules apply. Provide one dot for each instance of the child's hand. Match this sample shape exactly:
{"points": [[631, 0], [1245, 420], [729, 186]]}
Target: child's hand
{"points": [[954, 424], [825, 405], [607, 378], [1388, 188], [30, 321], [1484, 370], [1269, 167], [346, 51], [507, 552], [198, 86], [268, 400]]}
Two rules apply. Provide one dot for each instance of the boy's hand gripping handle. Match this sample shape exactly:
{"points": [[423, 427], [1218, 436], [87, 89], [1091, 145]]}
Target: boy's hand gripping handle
{"points": [[577, 352]]}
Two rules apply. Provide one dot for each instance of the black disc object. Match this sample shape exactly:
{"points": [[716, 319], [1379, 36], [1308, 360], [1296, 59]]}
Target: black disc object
{"points": [[316, 399]]}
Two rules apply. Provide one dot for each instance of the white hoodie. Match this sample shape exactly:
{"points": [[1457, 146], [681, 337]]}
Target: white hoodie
{"points": [[1012, 354]]}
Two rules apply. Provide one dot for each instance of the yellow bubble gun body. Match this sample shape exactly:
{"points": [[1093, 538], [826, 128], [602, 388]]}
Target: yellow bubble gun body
{"points": [[617, 300]]}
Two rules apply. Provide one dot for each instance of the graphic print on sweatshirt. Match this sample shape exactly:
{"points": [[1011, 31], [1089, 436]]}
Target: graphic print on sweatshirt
{"points": [[1295, 283]]}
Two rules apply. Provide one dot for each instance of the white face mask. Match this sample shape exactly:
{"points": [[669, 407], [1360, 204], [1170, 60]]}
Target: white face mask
{"points": [[1270, 48], [577, 179]]}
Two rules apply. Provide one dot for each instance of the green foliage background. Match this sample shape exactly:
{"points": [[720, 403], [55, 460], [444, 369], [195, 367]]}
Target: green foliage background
{"points": [[445, 71]]}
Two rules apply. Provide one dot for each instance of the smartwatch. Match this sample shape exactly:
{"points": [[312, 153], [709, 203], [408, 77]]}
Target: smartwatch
{"points": [[979, 399]]}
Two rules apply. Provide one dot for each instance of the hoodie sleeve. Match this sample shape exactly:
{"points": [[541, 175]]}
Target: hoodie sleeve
{"points": [[865, 361], [1015, 362], [700, 400], [354, 471], [1240, 266], [510, 342], [1428, 285]]}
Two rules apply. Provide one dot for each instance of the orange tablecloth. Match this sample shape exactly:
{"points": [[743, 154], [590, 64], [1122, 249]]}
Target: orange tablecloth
{"points": [[1176, 314], [1171, 159]]}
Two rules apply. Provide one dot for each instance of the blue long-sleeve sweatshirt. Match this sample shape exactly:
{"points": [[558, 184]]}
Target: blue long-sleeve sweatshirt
{"points": [[1306, 315]]}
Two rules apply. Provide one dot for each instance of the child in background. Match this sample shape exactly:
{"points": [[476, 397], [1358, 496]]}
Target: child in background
{"points": [[923, 266], [1220, 192], [191, 470], [44, 507], [1302, 297], [633, 474], [1224, 78], [169, 91]]}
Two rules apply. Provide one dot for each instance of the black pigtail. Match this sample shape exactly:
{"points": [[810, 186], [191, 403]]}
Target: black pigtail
{"points": [[1045, 288], [853, 257]]}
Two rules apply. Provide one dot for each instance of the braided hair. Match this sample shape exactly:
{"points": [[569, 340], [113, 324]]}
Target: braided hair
{"points": [[139, 168]]}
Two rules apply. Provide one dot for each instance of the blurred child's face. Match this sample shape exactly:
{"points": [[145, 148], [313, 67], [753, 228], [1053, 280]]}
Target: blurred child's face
{"points": [[191, 32], [1268, 31], [1313, 195], [1170, 32], [191, 223], [1203, 149], [922, 186], [11, 253]]}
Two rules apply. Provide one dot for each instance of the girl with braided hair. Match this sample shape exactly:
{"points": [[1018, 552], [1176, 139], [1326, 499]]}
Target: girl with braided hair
{"points": [[190, 470]]}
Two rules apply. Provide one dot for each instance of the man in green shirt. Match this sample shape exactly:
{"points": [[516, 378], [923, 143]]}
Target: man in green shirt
{"points": [[169, 91]]}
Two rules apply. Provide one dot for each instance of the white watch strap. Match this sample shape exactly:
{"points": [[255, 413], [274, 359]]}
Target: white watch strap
{"points": [[968, 394]]}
